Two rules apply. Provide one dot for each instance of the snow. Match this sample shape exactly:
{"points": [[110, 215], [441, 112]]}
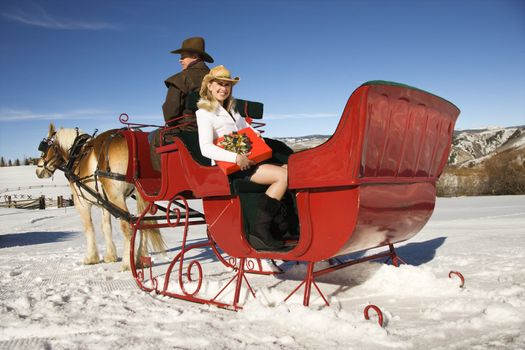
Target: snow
{"points": [[50, 300]]}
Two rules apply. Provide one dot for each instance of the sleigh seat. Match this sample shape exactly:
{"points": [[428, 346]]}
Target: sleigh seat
{"points": [[246, 192], [185, 171]]}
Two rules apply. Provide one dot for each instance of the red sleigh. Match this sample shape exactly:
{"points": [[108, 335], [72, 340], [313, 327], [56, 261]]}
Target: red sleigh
{"points": [[371, 184]]}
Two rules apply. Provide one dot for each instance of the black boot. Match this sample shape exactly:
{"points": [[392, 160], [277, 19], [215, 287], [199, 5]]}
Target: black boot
{"points": [[282, 223], [260, 236], [280, 220]]}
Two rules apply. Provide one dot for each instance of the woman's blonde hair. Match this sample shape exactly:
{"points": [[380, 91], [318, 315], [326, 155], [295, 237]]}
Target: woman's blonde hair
{"points": [[210, 103]]}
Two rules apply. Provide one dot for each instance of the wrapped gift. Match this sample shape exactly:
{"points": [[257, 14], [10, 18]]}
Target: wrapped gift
{"points": [[243, 142]]}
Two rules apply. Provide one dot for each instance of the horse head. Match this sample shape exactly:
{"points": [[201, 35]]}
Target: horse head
{"points": [[54, 148]]}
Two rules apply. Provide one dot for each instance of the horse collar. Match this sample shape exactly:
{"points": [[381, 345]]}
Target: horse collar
{"points": [[75, 152]]}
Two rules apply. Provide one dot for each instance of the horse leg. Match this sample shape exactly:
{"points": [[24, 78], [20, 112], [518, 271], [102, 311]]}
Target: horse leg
{"points": [[142, 249], [150, 235], [111, 251], [116, 152], [84, 209], [126, 231]]}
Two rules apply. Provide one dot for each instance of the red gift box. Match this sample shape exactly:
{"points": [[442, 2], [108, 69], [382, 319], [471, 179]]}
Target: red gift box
{"points": [[260, 151]]}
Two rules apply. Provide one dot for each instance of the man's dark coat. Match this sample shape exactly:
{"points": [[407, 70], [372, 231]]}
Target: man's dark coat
{"points": [[179, 85]]}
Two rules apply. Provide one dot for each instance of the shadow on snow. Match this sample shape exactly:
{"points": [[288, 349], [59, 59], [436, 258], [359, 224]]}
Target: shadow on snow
{"points": [[33, 238], [420, 253], [415, 254]]}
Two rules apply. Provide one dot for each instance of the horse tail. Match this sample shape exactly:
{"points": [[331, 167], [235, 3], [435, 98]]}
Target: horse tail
{"points": [[153, 235]]}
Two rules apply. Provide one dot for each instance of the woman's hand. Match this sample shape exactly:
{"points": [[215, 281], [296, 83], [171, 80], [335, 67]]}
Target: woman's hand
{"points": [[243, 162]]}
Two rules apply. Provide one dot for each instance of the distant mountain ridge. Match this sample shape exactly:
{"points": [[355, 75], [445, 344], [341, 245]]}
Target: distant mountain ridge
{"points": [[469, 147], [300, 143]]}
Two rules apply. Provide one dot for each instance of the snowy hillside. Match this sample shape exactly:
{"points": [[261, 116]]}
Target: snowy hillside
{"points": [[469, 147], [472, 146], [49, 300]]}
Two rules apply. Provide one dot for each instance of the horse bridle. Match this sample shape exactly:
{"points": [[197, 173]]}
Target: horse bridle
{"points": [[45, 145]]}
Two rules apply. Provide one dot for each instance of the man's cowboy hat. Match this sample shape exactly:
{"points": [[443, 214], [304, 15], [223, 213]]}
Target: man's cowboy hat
{"points": [[217, 73], [194, 45]]}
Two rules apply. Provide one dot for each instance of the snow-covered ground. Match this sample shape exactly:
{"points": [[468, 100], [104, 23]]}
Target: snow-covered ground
{"points": [[49, 300]]}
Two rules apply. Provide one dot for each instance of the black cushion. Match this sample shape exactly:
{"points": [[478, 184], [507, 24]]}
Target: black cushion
{"points": [[191, 141], [245, 108], [249, 109]]}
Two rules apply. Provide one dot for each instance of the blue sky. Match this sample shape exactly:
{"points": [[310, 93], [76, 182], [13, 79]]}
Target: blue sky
{"points": [[82, 63]]}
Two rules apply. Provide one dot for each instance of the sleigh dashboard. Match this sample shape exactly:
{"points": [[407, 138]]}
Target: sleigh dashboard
{"points": [[182, 171]]}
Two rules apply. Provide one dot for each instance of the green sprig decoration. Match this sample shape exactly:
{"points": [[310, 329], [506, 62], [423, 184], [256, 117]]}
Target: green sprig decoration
{"points": [[235, 142]]}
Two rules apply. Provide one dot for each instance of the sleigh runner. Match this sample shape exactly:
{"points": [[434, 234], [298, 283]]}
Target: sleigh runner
{"points": [[372, 184]]}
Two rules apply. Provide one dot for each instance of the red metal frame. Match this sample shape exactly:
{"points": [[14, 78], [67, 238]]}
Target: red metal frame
{"points": [[377, 311], [183, 272], [372, 184], [461, 278]]}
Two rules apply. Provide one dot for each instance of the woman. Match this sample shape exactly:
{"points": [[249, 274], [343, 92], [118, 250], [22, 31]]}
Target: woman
{"points": [[217, 117]]}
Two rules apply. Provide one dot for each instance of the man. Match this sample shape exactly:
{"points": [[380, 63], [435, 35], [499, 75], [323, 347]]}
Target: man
{"points": [[192, 58]]}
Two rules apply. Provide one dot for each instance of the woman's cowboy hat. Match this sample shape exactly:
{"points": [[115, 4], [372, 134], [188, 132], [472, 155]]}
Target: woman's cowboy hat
{"points": [[194, 45], [217, 73]]}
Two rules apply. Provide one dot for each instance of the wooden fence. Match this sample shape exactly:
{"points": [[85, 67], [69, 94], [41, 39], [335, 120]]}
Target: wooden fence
{"points": [[22, 201]]}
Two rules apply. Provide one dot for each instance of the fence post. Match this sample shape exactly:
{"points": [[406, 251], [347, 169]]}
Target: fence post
{"points": [[42, 202], [60, 202], [9, 201]]}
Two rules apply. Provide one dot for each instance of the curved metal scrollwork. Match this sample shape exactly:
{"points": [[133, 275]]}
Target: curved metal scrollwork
{"points": [[250, 265], [183, 275], [377, 311], [190, 271], [146, 261], [123, 118], [183, 251], [457, 273], [169, 213]]}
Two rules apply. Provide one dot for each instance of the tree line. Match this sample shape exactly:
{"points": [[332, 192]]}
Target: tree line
{"points": [[17, 161]]}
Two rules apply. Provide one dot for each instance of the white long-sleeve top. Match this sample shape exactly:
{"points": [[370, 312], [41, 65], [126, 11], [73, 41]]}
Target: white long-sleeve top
{"points": [[212, 125]]}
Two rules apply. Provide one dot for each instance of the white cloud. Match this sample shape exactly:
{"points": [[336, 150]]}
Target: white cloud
{"points": [[8, 115], [40, 18]]}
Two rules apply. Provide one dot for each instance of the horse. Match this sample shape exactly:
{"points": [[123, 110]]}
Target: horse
{"points": [[80, 156]]}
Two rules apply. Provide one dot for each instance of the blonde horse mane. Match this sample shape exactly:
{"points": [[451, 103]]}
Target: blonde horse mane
{"points": [[65, 138]]}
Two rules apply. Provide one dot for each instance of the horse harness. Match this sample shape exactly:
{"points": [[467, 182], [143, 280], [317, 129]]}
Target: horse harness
{"points": [[82, 145]]}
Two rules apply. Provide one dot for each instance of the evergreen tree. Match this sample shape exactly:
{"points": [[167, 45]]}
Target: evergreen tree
{"points": [[2, 162], [9, 163], [17, 162], [27, 161]]}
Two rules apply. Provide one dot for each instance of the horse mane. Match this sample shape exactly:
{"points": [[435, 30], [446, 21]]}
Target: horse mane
{"points": [[65, 138]]}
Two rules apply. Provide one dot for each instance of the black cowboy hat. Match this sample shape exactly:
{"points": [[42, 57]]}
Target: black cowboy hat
{"points": [[194, 45]]}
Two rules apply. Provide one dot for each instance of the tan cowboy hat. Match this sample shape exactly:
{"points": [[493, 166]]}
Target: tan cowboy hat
{"points": [[194, 45], [217, 73]]}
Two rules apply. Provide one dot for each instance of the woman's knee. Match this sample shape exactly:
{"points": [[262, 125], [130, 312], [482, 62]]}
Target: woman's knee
{"points": [[278, 172], [283, 174], [269, 174]]}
